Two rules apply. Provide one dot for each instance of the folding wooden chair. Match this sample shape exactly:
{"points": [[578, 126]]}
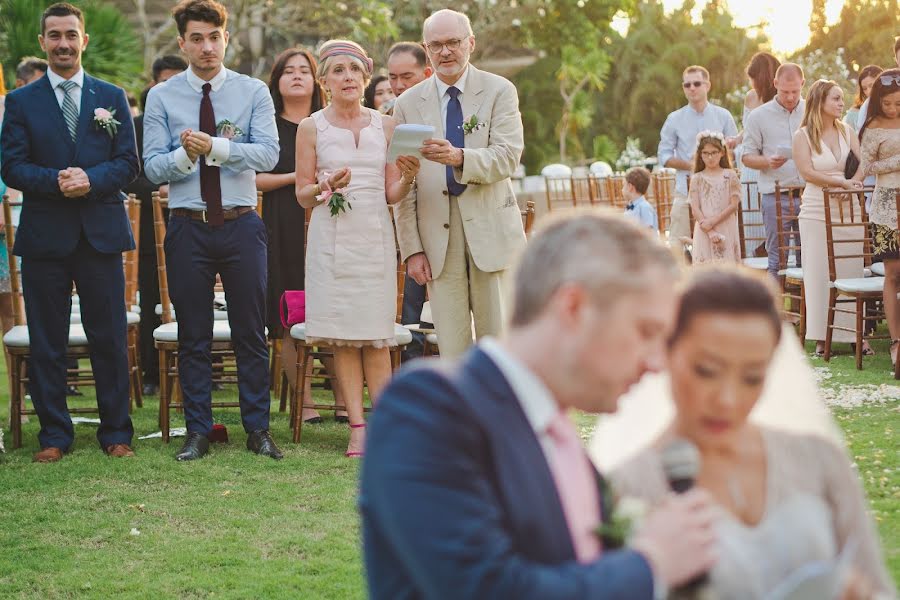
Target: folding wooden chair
{"points": [[848, 237]]}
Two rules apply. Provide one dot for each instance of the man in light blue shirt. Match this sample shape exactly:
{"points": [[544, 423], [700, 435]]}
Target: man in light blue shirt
{"points": [[210, 163], [637, 180], [678, 141], [768, 136]]}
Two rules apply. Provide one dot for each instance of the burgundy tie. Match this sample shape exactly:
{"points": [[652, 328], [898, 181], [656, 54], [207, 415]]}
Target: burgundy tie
{"points": [[210, 186]]}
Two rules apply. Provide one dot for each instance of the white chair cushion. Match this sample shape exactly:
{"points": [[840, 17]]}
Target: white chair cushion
{"points": [[878, 268], [432, 339], [757, 262], [402, 335], [218, 315], [168, 332], [17, 337], [131, 318], [860, 284], [792, 272]]}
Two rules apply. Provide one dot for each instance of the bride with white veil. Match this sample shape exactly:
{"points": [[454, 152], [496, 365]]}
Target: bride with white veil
{"points": [[770, 453]]}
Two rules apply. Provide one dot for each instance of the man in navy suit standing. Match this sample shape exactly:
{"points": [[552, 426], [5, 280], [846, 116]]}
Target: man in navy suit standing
{"points": [[476, 484], [68, 144]]}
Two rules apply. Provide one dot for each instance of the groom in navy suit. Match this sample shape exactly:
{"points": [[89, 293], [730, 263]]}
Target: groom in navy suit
{"points": [[475, 482], [62, 148]]}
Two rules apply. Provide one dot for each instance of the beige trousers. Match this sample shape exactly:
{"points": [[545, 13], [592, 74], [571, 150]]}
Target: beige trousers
{"points": [[462, 291], [680, 224]]}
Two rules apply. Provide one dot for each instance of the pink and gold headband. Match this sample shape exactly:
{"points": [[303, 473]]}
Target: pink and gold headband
{"points": [[345, 49]]}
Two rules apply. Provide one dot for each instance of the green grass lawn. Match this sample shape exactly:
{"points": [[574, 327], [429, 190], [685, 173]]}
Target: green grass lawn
{"points": [[235, 525]]}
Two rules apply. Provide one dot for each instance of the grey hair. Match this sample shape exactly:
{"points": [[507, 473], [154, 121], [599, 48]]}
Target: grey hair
{"points": [[596, 249], [461, 17]]}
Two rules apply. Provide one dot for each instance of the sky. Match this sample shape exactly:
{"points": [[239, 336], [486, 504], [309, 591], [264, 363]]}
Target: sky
{"points": [[786, 22]]}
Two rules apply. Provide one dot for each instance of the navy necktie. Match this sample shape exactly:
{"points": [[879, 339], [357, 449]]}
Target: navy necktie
{"points": [[456, 136]]}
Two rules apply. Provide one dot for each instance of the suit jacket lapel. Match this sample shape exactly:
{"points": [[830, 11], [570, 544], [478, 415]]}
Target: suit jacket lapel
{"points": [[474, 94], [86, 113], [526, 451], [54, 111], [430, 108]]}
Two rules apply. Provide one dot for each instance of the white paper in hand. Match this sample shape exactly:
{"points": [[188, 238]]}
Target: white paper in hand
{"points": [[407, 140]]}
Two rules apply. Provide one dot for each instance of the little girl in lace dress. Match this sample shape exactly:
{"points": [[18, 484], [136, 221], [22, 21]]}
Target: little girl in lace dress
{"points": [[715, 193]]}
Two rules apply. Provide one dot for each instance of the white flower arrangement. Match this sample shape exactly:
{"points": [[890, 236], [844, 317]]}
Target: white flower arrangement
{"points": [[633, 156]]}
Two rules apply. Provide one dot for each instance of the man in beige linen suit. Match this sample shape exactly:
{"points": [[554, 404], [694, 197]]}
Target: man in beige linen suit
{"points": [[460, 228]]}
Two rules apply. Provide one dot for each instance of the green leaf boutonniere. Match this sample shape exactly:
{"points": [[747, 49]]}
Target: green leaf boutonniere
{"points": [[472, 124], [621, 522], [105, 119], [228, 130]]}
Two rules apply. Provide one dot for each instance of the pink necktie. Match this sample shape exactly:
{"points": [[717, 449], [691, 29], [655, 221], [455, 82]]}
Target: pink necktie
{"points": [[577, 487]]}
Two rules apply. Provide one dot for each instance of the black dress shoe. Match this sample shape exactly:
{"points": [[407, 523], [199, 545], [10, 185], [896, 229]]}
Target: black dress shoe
{"points": [[71, 390], [261, 443], [150, 389], [195, 446]]}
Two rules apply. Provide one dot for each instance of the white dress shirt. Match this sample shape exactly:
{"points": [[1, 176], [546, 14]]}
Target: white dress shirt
{"points": [[445, 97], [74, 93], [537, 401]]}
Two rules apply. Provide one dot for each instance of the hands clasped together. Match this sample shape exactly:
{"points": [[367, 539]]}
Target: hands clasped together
{"points": [[196, 143], [73, 182]]}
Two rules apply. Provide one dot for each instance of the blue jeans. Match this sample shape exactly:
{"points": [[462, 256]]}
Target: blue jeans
{"points": [[770, 222], [195, 252]]}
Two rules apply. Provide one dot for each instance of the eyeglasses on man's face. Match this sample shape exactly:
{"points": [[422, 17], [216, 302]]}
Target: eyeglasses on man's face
{"points": [[688, 84], [438, 47], [890, 80]]}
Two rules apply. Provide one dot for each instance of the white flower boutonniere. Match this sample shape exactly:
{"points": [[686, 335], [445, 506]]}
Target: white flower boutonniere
{"points": [[472, 124], [228, 130], [105, 119]]}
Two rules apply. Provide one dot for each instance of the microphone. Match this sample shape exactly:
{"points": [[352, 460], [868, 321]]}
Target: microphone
{"points": [[681, 463]]}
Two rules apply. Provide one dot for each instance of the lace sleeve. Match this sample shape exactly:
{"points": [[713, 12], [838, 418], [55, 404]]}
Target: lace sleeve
{"points": [[845, 496], [869, 152]]}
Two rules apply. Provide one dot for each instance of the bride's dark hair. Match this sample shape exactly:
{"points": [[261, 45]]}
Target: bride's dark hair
{"points": [[732, 290]]}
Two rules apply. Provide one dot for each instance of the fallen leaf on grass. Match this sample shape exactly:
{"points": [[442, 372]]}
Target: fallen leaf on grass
{"points": [[226, 493], [135, 531]]}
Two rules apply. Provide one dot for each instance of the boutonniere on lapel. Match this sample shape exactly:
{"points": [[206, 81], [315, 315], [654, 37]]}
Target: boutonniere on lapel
{"points": [[620, 519], [228, 130], [472, 124], [105, 119]]}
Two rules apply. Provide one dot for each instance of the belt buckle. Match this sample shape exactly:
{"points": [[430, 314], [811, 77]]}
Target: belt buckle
{"points": [[203, 212]]}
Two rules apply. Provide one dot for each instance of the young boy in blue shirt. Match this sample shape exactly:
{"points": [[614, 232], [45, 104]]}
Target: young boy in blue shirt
{"points": [[637, 180]]}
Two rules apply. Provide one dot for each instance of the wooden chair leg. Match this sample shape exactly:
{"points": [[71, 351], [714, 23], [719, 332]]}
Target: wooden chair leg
{"points": [[282, 391], [297, 392], [15, 400], [829, 327], [276, 367], [165, 389], [859, 331]]}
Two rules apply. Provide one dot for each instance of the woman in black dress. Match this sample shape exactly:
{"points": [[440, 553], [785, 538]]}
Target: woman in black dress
{"points": [[296, 95]]}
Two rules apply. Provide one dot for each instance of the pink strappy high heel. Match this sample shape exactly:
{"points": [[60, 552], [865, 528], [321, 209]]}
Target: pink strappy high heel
{"points": [[349, 454]]}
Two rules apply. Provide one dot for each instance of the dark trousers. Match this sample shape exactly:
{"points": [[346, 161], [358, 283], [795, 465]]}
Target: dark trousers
{"points": [[195, 252], [413, 300], [148, 285], [47, 284]]}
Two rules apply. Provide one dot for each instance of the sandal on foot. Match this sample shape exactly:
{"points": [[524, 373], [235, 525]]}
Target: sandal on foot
{"points": [[355, 454], [341, 418], [866, 351]]}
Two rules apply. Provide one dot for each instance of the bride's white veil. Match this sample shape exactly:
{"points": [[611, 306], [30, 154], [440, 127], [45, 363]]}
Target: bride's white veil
{"points": [[790, 401]]}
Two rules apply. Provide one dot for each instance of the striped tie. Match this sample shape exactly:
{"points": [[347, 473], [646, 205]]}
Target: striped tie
{"points": [[69, 109]]}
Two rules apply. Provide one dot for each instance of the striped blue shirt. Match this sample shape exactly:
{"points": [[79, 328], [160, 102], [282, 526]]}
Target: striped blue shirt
{"points": [[174, 106]]}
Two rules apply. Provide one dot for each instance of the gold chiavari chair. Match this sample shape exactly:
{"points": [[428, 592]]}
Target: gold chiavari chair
{"points": [[663, 183], [848, 239], [751, 230], [559, 192], [614, 191], [789, 274]]}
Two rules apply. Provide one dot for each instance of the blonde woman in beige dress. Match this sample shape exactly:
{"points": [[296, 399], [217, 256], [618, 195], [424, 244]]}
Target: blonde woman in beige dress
{"points": [[351, 258], [820, 149], [741, 391]]}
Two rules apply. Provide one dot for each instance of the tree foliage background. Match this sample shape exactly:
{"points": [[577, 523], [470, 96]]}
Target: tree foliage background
{"points": [[587, 89]]}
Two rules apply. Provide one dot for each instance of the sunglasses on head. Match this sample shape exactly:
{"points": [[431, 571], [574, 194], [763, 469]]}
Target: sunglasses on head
{"points": [[890, 79], [688, 84]]}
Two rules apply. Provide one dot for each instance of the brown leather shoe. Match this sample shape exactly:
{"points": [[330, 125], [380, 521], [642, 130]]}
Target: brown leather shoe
{"points": [[48, 455], [119, 451]]}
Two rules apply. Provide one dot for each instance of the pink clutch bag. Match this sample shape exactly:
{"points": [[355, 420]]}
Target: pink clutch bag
{"points": [[293, 307]]}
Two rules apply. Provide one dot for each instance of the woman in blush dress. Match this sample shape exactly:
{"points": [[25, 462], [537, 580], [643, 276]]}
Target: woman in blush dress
{"points": [[351, 258], [743, 394]]}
